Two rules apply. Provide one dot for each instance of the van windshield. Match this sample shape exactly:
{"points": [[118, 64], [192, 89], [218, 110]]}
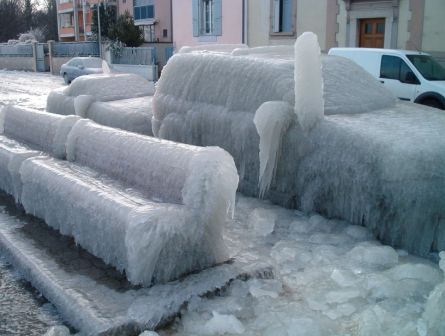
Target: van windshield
{"points": [[428, 67]]}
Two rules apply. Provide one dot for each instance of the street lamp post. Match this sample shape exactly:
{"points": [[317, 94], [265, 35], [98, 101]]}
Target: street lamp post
{"points": [[99, 31]]}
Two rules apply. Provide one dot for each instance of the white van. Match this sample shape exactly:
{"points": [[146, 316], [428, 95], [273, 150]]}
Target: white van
{"points": [[410, 75]]}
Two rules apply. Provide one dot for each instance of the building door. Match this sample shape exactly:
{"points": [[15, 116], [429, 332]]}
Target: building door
{"points": [[372, 33]]}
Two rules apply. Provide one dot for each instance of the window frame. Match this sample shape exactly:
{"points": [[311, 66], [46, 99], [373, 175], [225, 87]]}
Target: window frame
{"points": [[274, 16]]}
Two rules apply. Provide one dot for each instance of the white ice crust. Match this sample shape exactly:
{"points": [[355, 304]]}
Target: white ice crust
{"points": [[158, 207]]}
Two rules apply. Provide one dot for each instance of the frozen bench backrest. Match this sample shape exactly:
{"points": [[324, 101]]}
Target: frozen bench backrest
{"points": [[161, 170], [40, 130]]}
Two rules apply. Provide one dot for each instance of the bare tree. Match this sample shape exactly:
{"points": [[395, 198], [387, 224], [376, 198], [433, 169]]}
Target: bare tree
{"points": [[12, 19]]}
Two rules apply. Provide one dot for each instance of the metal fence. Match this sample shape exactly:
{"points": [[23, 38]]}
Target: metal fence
{"points": [[73, 49], [137, 56], [21, 50]]}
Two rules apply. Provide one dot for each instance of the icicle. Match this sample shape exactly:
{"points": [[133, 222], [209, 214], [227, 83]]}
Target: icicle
{"points": [[272, 119], [309, 104]]}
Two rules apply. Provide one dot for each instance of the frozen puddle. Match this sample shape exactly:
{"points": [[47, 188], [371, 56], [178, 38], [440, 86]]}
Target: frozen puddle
{"points": [[93, 297]]}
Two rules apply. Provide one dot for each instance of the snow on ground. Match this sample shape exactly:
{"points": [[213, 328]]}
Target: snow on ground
{"points": [[331, 278], [28, 89]]}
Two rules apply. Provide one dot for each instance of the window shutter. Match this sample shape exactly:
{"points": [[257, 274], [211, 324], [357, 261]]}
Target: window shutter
{"points": [[217, 17], [287, 16], [195, 18], [276, 16]]}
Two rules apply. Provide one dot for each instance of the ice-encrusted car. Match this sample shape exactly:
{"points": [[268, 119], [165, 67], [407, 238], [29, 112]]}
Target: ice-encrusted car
{"points": [[366, 158], [80, 66]]}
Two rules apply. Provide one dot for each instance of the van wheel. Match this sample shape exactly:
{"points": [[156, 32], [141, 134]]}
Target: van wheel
{"points": [[65, 78], [433, 103]]}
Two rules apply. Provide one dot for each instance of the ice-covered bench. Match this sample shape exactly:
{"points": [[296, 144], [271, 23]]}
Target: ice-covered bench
{"points": [[26, 133], [152, 208], [101, 87], [116, 100]]}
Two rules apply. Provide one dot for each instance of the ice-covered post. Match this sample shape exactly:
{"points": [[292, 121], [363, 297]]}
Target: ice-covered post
{"points": [[309, 104]]}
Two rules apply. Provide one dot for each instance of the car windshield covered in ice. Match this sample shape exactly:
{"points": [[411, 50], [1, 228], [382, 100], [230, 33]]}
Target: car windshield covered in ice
{"points": [[80, 66]]}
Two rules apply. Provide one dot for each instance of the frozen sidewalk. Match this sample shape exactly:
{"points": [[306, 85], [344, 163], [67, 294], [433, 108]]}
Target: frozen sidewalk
{"points": [[93, 297]]}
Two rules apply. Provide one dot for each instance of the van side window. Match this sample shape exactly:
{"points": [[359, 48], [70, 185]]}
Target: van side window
{"points": [[393, 67], [390, 67]]}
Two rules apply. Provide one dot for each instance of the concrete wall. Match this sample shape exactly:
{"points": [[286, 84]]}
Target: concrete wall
{"points": [[318, 17], [57, 63], [163, 16], [311, 16], [404, 18], [149, 72], [232, 27], [17, 63], [433, 37], [125, 6]]}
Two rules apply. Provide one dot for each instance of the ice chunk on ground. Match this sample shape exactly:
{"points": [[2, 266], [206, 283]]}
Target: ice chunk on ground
{"points": [[149, 333], [343, 278], [435, 306], [342, 296], [58, 331], [219, 324], [309, 104], [271, 288], [262, 221], [377, 256]]}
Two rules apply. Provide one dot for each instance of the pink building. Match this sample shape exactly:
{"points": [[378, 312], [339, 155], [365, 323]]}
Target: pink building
{"points": [[207, 21], [153, 16]]}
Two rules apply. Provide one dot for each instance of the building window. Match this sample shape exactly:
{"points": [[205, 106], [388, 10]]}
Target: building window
{"points": [[282, 16], [66, 20], [144, 9], [149, 33], [207, 17], [164, 33]]}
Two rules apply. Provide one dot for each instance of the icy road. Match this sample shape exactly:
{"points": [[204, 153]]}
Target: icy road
{"points": [[330, 278]]}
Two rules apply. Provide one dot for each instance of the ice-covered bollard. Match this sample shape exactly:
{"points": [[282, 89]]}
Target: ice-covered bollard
{"points": [[152, 208], [309, 104]]}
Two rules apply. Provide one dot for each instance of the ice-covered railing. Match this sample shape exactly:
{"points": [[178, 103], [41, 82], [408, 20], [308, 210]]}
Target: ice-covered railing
{"points": [[27, 133], [102, 87], [364, 157], [152, 208]]}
